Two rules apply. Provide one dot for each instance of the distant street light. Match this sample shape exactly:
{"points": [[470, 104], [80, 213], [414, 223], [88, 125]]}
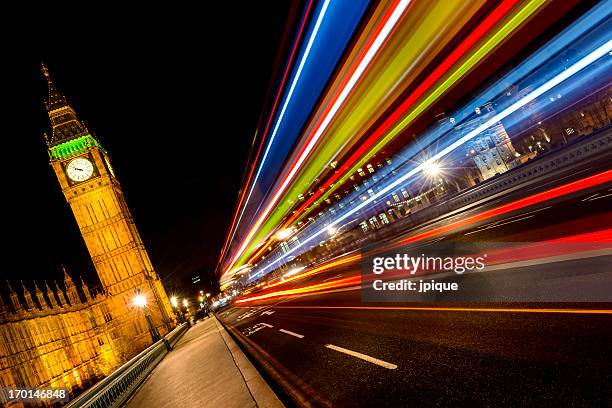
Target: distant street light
{"points": [[284, 234], [185, 303], [174, 301], [431, 168]]}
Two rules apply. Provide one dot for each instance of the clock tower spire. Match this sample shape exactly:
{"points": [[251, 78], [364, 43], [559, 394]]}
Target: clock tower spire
{"points": [[65, 124], [86, 177]]}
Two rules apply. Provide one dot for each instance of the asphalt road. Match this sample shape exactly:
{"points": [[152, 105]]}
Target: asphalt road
{"points": [[336, 350], [435, 358]]}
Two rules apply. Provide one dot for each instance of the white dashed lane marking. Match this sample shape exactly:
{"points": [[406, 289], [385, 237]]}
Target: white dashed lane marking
{"points": [[364, 357], [299, 336]]}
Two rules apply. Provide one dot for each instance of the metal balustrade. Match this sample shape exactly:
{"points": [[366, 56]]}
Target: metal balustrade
{"points": [[115, 389]]}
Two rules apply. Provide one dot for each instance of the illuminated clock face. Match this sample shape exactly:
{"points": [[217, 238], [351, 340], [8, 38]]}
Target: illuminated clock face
{"points": [[79, 169], [110, 168]]}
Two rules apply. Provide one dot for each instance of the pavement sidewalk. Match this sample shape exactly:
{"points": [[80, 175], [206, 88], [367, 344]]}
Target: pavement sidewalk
{"points": [[205, 369]]}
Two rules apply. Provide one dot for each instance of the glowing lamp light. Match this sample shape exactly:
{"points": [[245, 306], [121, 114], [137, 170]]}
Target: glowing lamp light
{"points": [[284, 234], [174, 301], [294, 271], [185, 302], [431, 168], [140, 301], [331, 230]]}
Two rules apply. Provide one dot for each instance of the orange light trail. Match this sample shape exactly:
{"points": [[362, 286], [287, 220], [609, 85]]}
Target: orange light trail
{"points": [[319, 269], [267, 128], [565, 189], [398, 8], [353, 280], [457, 309], [431, 79]]}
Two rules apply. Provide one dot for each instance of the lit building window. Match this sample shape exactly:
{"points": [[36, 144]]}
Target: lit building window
{"points": [[383, 218]]}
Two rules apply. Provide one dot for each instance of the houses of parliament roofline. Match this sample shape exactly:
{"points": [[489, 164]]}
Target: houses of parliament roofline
{"points": [[50, 299]]}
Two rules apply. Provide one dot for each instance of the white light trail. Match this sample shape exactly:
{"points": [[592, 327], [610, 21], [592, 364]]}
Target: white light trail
{"points": [[547, 86], [284, 108], [367, 59]]}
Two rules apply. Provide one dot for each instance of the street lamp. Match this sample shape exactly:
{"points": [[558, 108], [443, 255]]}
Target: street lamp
{"points": [[185, 303], [431, 168], [175, 306], [140, 301]]}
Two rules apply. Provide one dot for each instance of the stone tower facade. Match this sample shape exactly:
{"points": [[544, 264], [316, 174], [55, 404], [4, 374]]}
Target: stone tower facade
{"points": [[66, 336], [87, 179]]}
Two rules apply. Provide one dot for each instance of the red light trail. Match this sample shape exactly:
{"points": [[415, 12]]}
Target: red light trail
{"points": [[483, 28], [575, 186]]}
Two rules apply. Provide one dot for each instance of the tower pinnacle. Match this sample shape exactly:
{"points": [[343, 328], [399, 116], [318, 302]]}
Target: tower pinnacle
{"points": [[55, 99], [64, 121]]}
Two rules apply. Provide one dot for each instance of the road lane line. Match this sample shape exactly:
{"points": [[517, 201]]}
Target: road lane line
{"points": [[597, 198], [364, 357], [496, 225], [299, 336], [509, 220], [266, 324]]}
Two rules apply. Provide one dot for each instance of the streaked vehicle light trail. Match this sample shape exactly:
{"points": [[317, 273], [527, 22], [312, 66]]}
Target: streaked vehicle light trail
{"points": [[287, 99], [601, 51], [369, 56], [436, 74], [601, 236], [240, 208], [383, 135]]}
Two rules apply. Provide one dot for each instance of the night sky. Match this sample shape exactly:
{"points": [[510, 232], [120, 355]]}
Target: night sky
{"points": [[174, 96]]}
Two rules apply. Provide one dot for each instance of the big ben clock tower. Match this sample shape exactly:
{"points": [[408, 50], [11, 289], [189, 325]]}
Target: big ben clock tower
{"points": [[86, 177]]}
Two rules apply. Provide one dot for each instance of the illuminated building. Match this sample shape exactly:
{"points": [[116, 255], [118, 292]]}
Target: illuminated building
{"points": [[74, 339], [491, 151]]}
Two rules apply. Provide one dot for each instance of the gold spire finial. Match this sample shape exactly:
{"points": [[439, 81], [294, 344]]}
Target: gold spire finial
{"points": [[67, 277], [45, 71]]}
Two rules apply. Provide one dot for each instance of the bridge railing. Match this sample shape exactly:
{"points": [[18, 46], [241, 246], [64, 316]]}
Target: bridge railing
{"points": [[115, 389]]}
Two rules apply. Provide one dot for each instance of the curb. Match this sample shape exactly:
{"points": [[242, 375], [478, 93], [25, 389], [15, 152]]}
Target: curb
{"points": [[261, 392]]}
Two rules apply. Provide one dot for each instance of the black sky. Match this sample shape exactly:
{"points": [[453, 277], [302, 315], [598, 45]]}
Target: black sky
{"points": [[173, 94]]}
